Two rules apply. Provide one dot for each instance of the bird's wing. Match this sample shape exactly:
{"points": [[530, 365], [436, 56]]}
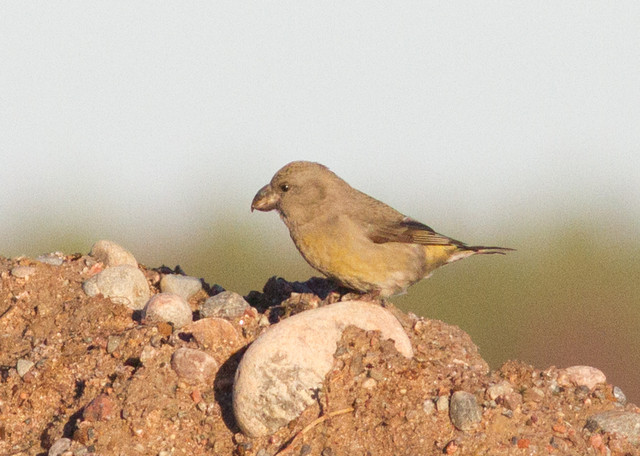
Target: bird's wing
{"points": [[408, 231]]}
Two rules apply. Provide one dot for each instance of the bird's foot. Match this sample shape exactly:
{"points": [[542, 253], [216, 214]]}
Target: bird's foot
{"points": [[371, 296]]}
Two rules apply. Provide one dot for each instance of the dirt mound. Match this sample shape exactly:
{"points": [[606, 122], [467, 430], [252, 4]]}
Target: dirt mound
{"points": [[84, 375]]}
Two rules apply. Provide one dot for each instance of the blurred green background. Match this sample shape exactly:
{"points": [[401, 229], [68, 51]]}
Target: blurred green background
{"points": [[153, 124]]}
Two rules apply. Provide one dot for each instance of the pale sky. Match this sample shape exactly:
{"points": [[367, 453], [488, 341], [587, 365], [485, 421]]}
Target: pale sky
{"points": [[145, 116]]}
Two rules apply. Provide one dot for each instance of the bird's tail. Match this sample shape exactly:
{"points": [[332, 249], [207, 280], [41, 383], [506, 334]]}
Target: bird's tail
{"points": [[488, 250], [464, 251]]}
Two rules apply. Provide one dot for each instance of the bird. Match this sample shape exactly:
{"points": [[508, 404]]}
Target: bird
{"points": [[354, 239]]}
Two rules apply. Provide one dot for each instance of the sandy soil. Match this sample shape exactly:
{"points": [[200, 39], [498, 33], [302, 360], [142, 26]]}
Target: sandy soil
{"points": [[103, 380]]}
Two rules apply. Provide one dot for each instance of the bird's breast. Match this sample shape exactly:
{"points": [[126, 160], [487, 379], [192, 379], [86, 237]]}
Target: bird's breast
{"points": [[343, 251]]}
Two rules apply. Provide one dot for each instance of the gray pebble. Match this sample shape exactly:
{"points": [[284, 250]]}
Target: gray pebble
{"points": [[111, 254], [626, 424], [54, 259], [464, 410], [184, 286], [123, 284], [23, 366], [224, 305], [619, 395], [23, 272], [59, 446], [167, 307]]}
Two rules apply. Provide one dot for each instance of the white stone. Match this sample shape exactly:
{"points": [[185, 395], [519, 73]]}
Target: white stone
{"points": [[123, 284], [169, 308], [281, 371]]}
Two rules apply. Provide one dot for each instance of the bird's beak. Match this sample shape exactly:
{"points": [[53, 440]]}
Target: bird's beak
{"points": [[265, 200]]}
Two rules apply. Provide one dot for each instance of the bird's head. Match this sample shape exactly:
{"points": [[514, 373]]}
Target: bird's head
{"points": [[298, 187]]}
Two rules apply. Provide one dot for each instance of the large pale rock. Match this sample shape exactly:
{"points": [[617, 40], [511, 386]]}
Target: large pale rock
{"points": [[280, 372], [123, 284], [111, 254]]}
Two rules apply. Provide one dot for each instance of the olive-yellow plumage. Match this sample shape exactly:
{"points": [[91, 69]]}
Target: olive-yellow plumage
{"points": [[353, 238]]}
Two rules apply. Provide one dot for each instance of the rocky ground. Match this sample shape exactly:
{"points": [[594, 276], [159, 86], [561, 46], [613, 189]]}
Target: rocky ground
{"points": [[87, 374]]}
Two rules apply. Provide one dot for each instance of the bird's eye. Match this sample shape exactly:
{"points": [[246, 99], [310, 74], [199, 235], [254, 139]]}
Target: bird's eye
{"points": [[284, 187]]}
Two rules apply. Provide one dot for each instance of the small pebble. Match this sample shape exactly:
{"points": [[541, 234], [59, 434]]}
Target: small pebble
{"points": [[619, 395], [147, 354], [369, 383], [23, 272], [23, 366], [99, 409], [225, 305], [214, 334], [442, 403], [451, 447], [53, 259], [184, 286], [81, 451], [59, 447], [111, 254], [194, 366], [263, 321], [428, 406], [305, 449], [512, 400], [169, 308], [533, 395], [581, 376], [464, 410], [113, 342], [377, 374], [499, 389], [123, 284]]}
